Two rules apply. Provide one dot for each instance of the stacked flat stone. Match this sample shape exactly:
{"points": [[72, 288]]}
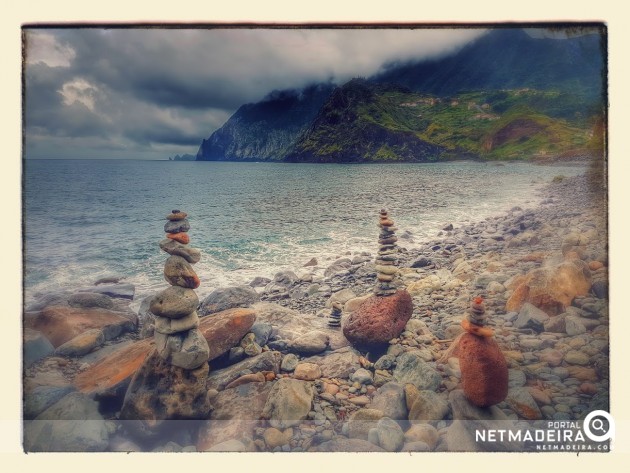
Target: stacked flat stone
{"points": [[177, 337], [334, 320], [386, 260]]}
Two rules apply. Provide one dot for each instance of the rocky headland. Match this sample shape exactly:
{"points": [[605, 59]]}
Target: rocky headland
{"points": [[282, 377]]}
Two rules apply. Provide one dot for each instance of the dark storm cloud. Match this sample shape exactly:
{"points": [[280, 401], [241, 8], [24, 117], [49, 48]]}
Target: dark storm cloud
{"points": [[154, 88]]}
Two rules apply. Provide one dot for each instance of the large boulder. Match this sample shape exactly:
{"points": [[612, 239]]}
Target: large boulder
{"points": [[62, 323], [552, 289], [160, 392], [228, 298], [379, 319], [428, 406], [289, 403], [73, 424], [225, 329], [39, 399]]}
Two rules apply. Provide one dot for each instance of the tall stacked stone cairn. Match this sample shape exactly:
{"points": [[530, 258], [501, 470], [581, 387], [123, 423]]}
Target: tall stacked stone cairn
{"points": [[171, 383], [383, 315], [177, 338], [386, 260], [483, 366], [334, 320]]}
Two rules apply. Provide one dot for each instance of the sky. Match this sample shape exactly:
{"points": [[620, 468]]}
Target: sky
{"points": [[153, 93]]}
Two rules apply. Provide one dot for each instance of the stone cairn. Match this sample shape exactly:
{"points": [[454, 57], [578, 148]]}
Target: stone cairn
{"points": [[334, 321], [386, 260], [383, 315], [177, 337], [483, 366]]}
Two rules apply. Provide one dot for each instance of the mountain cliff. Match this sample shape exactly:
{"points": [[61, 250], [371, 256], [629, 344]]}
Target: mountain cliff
{"points": [[263, 131], [510, 94]]}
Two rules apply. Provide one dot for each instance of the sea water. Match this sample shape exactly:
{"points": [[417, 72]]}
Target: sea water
{"points": [[86, 219]]}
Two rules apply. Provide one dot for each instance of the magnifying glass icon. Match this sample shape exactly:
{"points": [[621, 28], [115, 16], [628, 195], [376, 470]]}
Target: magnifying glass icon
{"points": [[598, 424]]}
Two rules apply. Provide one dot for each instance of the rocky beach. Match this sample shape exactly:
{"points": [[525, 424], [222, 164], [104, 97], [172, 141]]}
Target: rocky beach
{"points": [[281, 377]]}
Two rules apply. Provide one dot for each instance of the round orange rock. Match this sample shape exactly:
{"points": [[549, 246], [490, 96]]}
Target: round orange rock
{"points": [[180, 237]]}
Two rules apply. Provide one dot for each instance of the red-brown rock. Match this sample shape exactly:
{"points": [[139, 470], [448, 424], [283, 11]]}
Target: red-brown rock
{"points": [[379, 319], [484, 370], [224, 330], [181, 237], [112, 374], [61, 323], [179, 272]]}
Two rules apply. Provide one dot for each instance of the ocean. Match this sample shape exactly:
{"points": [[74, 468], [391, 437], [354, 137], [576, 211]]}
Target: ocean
{"points": [[86, 219]]}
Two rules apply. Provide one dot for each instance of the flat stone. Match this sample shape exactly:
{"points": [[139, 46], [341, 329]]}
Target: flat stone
{"points": [[168, 326], [174, 302], [82, 344], [177, 226], [175, 248], [90, 299]]}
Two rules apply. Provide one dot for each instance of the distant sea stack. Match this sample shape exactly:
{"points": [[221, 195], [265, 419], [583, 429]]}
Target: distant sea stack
{"points": [[171, 383], [483, 366], [384, 315]]}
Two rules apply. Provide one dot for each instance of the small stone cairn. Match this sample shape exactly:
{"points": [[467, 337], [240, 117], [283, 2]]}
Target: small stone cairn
{"points": [[483, 365], [334, 320], [177, 337], [386, 260]]}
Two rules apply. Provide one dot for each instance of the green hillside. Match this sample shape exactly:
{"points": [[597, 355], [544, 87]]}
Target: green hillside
{"points": [[363, 122]]}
